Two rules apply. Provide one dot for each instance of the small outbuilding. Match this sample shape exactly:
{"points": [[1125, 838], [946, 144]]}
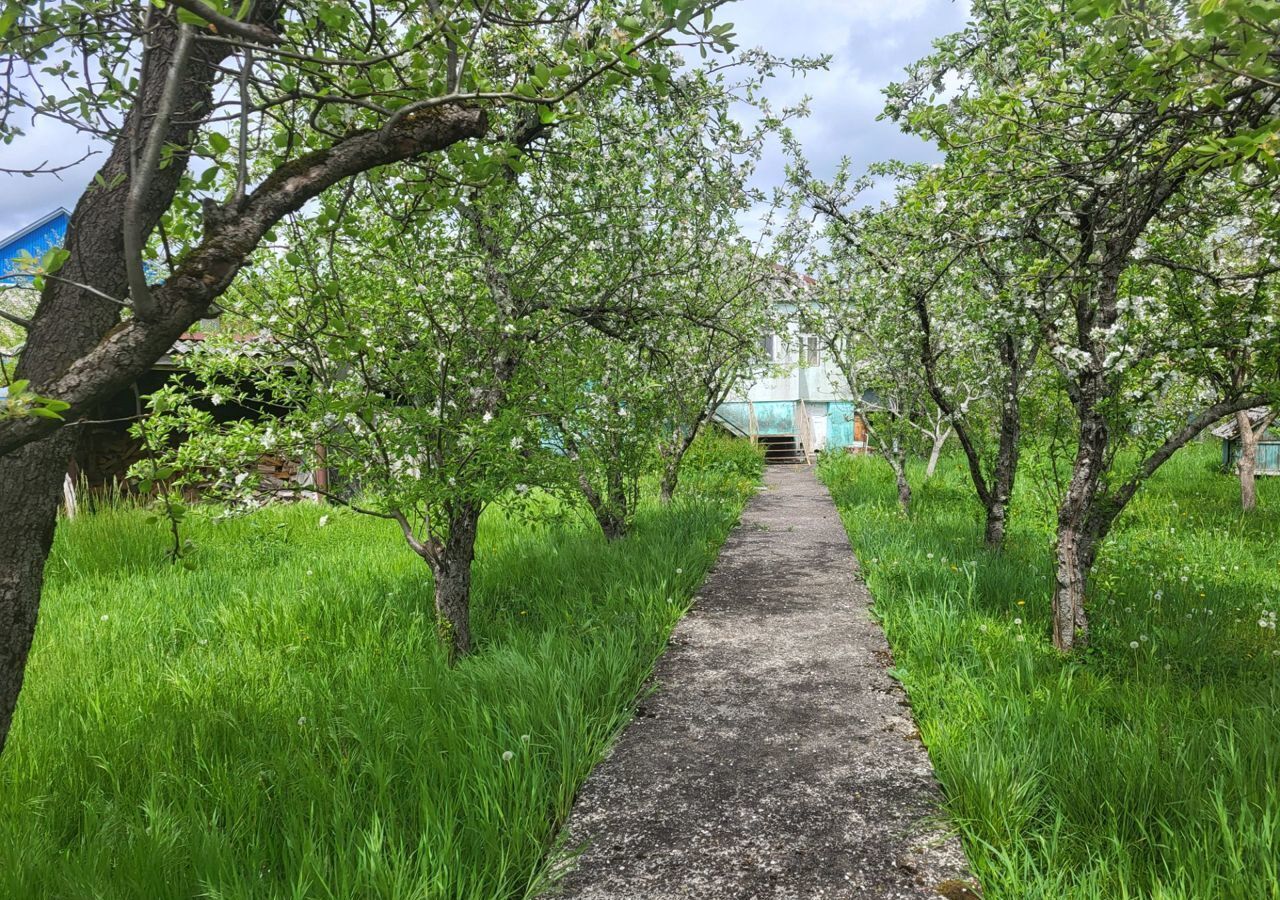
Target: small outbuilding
{"points": [[1268, 444]]}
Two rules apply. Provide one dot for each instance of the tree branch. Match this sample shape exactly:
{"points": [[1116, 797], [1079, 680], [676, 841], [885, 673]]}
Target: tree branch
{"points": [[208, 270], [221, 23], [143, 171]]}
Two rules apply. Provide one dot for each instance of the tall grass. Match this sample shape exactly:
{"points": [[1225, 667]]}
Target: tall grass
{"points": [[1129, 771], [279, 721]]}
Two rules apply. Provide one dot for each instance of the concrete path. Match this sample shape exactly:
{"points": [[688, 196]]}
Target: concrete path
{"points": [[776, 759]]}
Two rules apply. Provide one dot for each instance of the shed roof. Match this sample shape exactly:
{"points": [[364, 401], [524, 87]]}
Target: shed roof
{"points": [[1227, 430]]}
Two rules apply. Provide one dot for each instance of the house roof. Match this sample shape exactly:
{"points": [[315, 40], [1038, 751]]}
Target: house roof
{"points": [[1227, 430]]}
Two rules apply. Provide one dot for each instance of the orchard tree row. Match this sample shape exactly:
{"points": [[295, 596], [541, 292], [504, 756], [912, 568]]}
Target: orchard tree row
{"points": [[569, 324], [468, 246], [1094, 268]]}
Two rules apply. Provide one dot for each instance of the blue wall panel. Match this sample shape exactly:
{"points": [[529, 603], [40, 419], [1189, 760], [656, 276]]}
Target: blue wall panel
{"points": [[840, 415], [1268, 456], [776, 417], [35, 240]]}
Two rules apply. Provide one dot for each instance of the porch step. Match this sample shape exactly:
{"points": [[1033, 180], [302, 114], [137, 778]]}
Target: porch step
{"points": [[782, 449]]}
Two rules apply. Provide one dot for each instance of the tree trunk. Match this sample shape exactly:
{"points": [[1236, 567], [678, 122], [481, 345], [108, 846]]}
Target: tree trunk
{"points": [[68, 323], [939, 441], [670, 479], [1070, 622], [1080, 527], [904, 489], [1247, 464], [897, 461], [1003, 478], [993, 534], [616, 521], [451, 567], [611, 510], [30, 491], [614, 526]]}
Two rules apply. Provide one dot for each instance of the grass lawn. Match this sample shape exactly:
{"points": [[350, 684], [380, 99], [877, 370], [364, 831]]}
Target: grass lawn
{"points": [[279, 721], [1150, 771]]}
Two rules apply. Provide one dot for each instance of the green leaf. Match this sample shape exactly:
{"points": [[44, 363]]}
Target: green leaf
{"points": [[7, 18], [54, 259], [219, 142]]}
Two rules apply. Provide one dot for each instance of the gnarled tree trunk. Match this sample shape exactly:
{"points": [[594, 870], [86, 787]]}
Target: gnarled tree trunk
{"points": [[451, 568], [1005, 473], [614, 512], [69, 322], [30, 489], [1080, 528]]}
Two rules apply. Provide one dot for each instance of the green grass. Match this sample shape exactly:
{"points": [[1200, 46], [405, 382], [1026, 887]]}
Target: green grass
{"points": [[280, 722], [1123, 773]]}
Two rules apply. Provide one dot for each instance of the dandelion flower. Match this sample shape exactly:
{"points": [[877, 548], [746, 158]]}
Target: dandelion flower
{"points": [[302, 720], [324, 520], [104, 617], [1133, 645], [1017, 621], [507, 756]]}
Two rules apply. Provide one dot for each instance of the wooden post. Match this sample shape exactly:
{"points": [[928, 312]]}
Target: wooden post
{"points": [[322, 471]]}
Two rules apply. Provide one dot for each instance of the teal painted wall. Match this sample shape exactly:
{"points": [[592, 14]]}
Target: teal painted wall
{"points": [[776, 417], [773, 417], [840, 416], [1268, 456]]}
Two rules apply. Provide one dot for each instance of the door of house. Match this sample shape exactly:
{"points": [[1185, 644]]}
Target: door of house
{"points": [[819, 431]]}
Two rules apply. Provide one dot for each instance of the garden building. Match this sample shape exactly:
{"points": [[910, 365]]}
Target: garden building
{"points": [[1268, 445], [33, 242], [799, 405]]}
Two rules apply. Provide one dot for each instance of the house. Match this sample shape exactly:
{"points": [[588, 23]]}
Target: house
{"points": [[800, 404], [32, 241], [1268, 444]]}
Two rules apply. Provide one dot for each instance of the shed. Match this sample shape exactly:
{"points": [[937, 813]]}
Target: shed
{"points": [[1268, 445]]}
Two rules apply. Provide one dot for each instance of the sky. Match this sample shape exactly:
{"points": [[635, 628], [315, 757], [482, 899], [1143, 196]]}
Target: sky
{"points": [[871, 42]]}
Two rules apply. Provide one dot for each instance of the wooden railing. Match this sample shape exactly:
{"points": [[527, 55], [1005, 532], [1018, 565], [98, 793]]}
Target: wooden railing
{"points": [[804, 432]]}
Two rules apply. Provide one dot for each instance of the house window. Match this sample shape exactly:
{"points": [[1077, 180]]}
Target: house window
{"points": [[810, 351], [769, 346]]}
